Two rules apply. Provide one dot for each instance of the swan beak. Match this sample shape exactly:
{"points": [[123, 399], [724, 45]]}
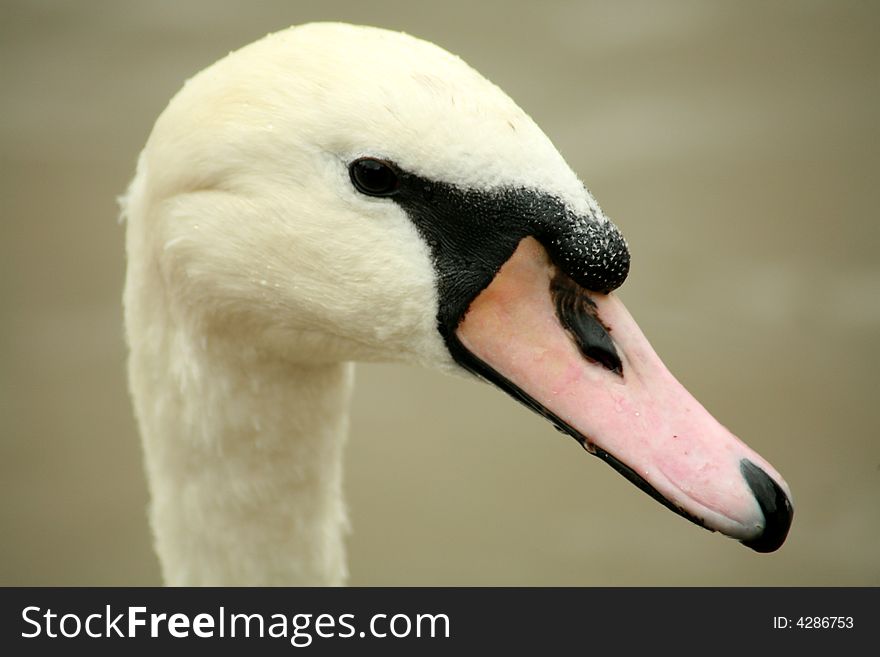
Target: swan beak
{"points": [[578, 358]]}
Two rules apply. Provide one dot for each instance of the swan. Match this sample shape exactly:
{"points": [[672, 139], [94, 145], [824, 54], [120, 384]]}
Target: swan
{"points": [[335, 193]]}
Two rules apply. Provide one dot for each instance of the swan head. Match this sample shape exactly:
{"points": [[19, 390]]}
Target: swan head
{"points": [[334, 192]]}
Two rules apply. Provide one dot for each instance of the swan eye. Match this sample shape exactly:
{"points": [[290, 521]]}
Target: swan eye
{"points": [[374, 177]]}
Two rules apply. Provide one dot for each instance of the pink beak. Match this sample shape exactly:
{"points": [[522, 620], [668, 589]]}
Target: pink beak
{"points": [[579, 358]]}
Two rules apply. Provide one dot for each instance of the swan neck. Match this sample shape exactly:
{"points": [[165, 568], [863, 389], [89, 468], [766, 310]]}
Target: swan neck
{"points": [[244, 463]]}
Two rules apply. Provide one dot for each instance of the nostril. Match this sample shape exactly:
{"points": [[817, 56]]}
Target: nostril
{"points": [[577, 314], [774, 504]]}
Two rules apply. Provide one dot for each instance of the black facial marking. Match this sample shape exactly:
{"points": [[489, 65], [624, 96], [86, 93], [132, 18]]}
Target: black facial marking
{"points": [[577, 314], [472, 233]]}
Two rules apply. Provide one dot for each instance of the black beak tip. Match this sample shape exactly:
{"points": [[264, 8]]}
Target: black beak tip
{"points": [[774, 504]]}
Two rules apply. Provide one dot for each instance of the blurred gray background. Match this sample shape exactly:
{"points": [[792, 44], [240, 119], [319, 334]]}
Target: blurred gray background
{"points": [[735, 144]]}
